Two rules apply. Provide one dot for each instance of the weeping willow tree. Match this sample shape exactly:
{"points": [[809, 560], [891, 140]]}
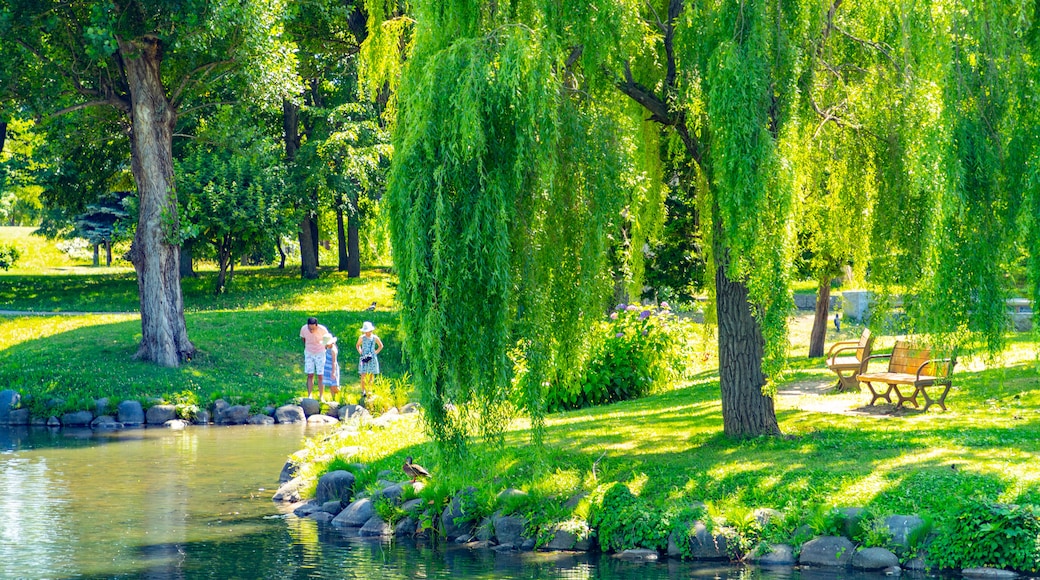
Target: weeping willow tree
{"points": [[530, 133], [986, 226], [511, 167]]}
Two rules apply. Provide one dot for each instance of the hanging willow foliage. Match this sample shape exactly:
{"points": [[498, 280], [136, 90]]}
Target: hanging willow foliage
{"points": [[988, 110], [507, 180]]}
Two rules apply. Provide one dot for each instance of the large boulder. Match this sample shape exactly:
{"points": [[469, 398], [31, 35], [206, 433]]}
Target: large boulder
{"points": [[406, 526], [775, 555], [705, 545], [355, 515], [289, 491], [310, 406], [509, 529], [289, 414], [77, 419], [375, 526], [233, 415], [105, 422], [8, 401], [568, 540], [455, 522], [902, 527], [159, 414], [874, 559], [260, 419], [335, 485], [829, 551], [18, 417]]}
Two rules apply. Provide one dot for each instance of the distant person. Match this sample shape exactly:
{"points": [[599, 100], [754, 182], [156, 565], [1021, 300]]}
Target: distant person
{"points": [[368, 346], [313, 354], [837, 322], [331, 375]]}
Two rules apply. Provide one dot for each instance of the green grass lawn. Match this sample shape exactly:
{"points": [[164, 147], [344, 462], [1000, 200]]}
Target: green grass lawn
{"points": [[248, 343]]}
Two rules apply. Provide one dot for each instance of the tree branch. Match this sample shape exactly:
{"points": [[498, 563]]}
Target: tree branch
{"points": [[117, 103], [204, 71]]}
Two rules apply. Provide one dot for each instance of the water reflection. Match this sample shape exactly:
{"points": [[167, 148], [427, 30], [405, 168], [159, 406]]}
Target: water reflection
{"points": [[156, 503]]}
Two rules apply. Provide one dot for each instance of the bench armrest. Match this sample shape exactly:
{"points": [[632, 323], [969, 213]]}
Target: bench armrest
{"points": [[843, 343], [866, 362], [834, 353], [949, 367]]}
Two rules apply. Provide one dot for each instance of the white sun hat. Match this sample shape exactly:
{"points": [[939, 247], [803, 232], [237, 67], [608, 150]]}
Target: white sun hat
{"points": [[328, 339], [367, 327]]}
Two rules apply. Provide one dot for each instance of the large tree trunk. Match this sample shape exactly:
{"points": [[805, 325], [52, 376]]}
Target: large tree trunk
{"points": [[164, 336], [308, 229], [108, 253], [3, 135], [819, 325], [97, 258], [746, 412]]}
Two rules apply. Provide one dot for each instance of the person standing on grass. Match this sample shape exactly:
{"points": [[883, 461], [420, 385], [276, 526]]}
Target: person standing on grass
{"points": [[313, 354], [331, 375], [368, 346]]}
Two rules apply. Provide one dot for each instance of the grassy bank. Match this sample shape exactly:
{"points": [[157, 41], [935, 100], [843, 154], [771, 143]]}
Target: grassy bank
{"points": [[669, 450], [249, 350]]}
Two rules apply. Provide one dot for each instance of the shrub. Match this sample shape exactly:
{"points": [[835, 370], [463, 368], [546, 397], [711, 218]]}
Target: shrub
{"points": [[624, 521], [8, 256], [984, 533], [635, 351]]}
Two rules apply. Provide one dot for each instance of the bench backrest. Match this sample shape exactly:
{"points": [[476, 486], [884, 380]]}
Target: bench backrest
{"points": [[866, 344], [907, 359]]}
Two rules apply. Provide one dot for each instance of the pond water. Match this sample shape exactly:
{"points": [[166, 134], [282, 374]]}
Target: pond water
{"points": [[196, 503]]}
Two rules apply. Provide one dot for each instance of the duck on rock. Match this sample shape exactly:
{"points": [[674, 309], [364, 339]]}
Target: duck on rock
{"points": [[414, 470]]}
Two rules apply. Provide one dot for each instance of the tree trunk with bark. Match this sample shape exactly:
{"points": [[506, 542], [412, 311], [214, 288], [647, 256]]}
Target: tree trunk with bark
{"points": [[281, 253], [97, 256], [341, 236], [819, 326], [155, 255], [353, 245], [308, 229], [108, 253], [746, 412], [3, 135]]}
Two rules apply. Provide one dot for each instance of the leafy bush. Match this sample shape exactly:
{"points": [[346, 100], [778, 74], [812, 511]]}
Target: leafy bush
{"points": [[636, 350], [987, 533], [624, 521], [8, 256]]}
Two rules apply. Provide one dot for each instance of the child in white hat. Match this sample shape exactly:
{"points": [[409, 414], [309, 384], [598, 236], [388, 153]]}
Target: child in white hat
{"points": [[368, 346], [331, 375]]}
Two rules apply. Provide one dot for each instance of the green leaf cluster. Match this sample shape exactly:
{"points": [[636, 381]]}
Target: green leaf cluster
{"points": [[624, 521], [985, 533]]}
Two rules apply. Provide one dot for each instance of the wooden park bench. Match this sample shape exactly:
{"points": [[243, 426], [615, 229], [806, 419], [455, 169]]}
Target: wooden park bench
{"points": [[915, 369], [848, 366]]}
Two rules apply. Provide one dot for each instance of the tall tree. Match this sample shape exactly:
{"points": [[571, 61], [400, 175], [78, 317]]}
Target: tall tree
{"points": [[328, 36], [149, 61]]}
